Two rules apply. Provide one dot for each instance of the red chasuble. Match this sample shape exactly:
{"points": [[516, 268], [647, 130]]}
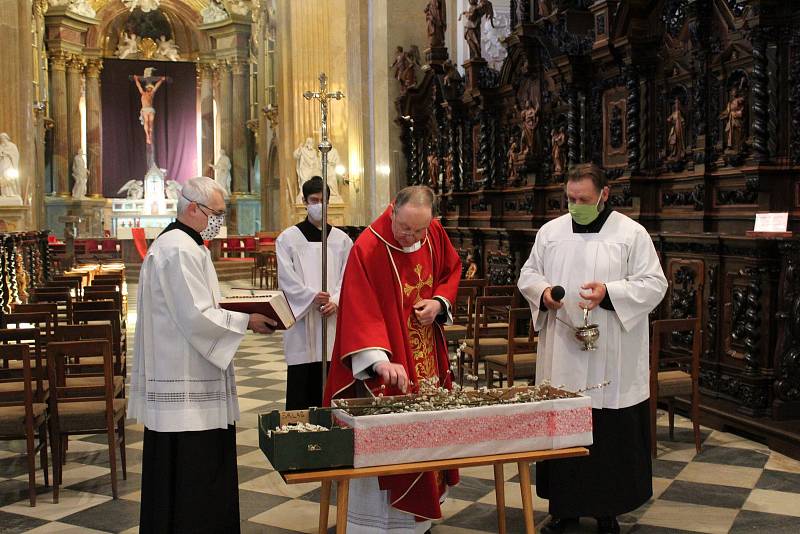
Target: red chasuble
{"points": [[380, 287]]}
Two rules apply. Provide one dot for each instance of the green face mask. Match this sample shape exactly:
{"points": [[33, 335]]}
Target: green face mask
{"points": [[584, 214]]}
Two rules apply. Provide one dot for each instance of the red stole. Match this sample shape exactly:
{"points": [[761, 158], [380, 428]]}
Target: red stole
{"points": [[380, 286]]}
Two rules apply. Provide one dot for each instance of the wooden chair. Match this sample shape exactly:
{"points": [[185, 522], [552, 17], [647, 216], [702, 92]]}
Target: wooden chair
{"points": [[88, 370], [22, 416], [482, 343], [43, 321], [268, 274], [30, 337], [672, 376], [520, 359], [462, 315], [37, 307], [63, 298], [105, 293], [79, 410], [118, 336]]}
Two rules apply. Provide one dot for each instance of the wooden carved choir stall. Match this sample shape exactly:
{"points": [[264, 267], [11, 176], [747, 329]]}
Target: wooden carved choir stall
{"points": [[692, 109]]}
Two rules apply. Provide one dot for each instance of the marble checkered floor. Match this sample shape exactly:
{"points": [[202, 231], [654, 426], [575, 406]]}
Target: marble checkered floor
{"points": [[733, 485]]}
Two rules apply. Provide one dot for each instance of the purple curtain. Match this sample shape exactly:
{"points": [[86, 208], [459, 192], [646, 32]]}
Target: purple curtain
{"points": [[174, 128]]}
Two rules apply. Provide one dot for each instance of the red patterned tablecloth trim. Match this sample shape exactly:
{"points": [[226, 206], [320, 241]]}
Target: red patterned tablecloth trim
{"points": [[469, 430]]}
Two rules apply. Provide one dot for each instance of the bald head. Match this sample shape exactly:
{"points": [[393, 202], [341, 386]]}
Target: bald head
{"points": [[418, 196], [412, 214]]}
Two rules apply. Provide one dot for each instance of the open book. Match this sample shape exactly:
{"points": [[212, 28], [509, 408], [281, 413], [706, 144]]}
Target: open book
{"points": [[273, 304]]}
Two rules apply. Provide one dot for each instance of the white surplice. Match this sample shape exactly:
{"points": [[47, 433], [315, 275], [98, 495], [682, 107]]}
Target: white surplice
{"points": [[182, 377], [622, 256], [300, 278]]}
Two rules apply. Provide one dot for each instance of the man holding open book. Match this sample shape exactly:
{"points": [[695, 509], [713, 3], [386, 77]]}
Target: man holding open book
{"points": [[182, 384]]}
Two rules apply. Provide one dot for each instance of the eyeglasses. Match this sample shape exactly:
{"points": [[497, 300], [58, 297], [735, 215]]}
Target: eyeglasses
{"points": [[218, 213]]}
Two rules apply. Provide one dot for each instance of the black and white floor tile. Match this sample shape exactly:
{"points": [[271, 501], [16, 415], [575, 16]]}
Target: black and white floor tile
{"points": [[733, 486]]}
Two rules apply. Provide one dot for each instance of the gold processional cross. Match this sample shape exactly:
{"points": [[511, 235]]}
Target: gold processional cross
{"points": [[324, 147], [408, 288]]}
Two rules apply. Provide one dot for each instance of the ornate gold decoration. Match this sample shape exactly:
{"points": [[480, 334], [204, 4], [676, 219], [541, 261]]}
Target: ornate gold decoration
{"points": [[271, 112], [420, 337], [408, 288], [148, 47]]}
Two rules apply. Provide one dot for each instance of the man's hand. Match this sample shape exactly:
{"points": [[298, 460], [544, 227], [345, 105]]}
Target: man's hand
{"points": [[548, 300], [392, 374], [594, 292], [426, 311], [261, 324], [322, 298], [329, 309]]}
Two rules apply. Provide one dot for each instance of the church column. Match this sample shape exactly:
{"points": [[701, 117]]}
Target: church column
{"points": [[58, 105], [224, 106], [206, 75], [94, 128], [74, 87], [238, 127]]}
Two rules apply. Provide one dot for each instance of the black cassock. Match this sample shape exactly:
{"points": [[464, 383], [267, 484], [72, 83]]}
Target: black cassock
{"points": [[190, 483], [614, 479]]}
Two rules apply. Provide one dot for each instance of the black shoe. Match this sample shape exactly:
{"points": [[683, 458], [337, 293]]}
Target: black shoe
{"points": [[607, 525], [558, 525]]}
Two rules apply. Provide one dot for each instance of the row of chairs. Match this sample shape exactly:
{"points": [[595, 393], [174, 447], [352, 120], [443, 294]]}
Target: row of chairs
{"points": [[62, 372]]}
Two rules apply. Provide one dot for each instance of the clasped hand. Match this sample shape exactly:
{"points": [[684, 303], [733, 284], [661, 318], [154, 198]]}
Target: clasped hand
{"points": [[594, 293], [326, 306], [426, 311]]}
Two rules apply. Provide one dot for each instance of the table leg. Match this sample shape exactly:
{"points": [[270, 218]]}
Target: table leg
{"points": [[342, 494], [500, 494], [527, 495], [324, 503]]}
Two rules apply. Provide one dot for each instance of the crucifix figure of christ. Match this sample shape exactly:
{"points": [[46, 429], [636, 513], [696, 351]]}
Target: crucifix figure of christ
{"points": [[148, 113], [324, 147]]}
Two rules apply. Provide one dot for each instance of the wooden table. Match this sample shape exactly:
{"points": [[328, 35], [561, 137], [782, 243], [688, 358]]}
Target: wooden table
{"points": [[343, 476]]}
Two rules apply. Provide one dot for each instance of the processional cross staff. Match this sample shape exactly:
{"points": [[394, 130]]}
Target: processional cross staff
{"points": [[324, 147]]}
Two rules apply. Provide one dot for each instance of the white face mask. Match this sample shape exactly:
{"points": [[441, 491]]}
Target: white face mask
{"points": [[215, 222], [315, 212]]}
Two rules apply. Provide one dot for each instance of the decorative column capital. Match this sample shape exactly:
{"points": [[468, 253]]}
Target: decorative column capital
{"points": [[205, 70], [93, 67], [75, 62], [239, 67], [58, 59], [222, 66]]}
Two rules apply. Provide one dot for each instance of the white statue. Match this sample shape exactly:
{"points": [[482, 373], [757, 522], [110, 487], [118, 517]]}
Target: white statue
{"points": [[80, 174], [167, 49], [213, 12], [82, 7], [173, 189], [144, 5], [222, 172], [128, 45], [135, 189], [333, 181], [309, 164], [9, 172]]}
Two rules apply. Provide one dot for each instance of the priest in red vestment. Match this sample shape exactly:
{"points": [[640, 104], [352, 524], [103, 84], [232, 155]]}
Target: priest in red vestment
{"points": [[399, 285]]}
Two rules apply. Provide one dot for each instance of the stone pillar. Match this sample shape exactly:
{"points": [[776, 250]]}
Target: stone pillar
{"points": [[206, 75], [74, 89], [58, 106], [94, 128], [224, 105], [238, 128]]}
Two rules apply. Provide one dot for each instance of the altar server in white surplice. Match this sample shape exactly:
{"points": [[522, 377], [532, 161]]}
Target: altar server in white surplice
{"points": [[182, 385], [606, 262], [299, 251]]}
